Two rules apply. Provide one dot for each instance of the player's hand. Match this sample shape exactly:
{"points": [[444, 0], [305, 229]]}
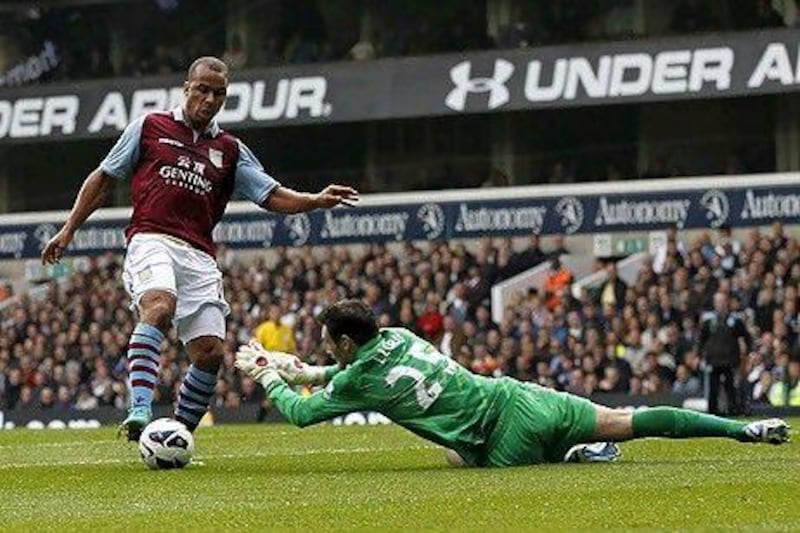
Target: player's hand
{"points": [[289, 366], [333, 195], [252, 360], [54, 249], [296, 372], [280, 360]]}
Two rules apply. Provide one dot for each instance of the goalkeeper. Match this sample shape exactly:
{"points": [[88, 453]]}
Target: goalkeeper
{"points": [[481, 421]]}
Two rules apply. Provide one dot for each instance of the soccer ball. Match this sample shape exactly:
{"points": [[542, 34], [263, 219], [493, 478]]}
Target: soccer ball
{"points": [[166, 443]]}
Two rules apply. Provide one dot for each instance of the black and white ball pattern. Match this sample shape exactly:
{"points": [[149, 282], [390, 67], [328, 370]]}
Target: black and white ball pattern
{"points": [[166, 443]]}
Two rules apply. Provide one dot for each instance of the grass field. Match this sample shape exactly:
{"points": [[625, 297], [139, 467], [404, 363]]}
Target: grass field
{"points": [[326, 477]]}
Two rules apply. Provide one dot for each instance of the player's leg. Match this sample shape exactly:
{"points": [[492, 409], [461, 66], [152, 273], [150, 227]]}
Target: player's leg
{"points": [[150, 280], [731, 396], [670, 422], [523, 428], [202, 334], [156, 309], [541, 425], [200, 319], [713, 390], [615, 425], [576, 421], [144, 358]]}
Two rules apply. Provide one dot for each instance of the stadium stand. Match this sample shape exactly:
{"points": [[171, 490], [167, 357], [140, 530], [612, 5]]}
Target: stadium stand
{"points": [[566, 192], [308, 32], [67, 349], [63, 344]]}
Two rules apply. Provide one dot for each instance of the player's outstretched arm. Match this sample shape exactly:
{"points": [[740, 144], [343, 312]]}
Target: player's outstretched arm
{"points": [[93, 193], [291, 368], [297, 410], [288, 201]]}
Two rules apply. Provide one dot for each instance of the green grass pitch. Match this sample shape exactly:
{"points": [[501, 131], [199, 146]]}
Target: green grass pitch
{"points": [[252, 477]]}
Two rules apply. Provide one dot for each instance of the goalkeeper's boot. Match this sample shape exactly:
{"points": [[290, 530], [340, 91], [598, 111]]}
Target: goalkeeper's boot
{"points": [[596, 452], [771, 430], [132, 426]]}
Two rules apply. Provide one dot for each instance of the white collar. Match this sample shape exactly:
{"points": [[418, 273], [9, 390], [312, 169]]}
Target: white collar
{"points": [[212, 128]]}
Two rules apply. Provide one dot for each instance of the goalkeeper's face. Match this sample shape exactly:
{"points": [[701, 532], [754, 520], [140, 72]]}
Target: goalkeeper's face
{"points": [[343, 351]]}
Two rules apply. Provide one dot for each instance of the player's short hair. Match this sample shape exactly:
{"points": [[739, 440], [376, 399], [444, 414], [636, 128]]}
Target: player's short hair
{"points": [[211, 62], [353, 318]]}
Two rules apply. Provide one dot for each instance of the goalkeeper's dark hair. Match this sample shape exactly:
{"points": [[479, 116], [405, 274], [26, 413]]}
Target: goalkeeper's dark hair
{"points": [[353, 318]]}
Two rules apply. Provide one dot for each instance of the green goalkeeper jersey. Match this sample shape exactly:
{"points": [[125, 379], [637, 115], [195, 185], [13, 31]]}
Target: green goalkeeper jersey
{"points": [[406, 379]]}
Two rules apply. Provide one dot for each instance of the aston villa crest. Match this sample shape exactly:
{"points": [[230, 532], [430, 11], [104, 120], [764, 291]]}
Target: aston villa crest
{"points": [[215, 156]]}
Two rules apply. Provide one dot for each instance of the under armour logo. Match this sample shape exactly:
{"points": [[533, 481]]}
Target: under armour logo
{"points": [[494, 85]]}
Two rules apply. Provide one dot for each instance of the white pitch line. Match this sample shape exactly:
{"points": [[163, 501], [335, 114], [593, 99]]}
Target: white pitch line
{"points": [[200, 458], [74, 443], [67, 444], [79, 462]]}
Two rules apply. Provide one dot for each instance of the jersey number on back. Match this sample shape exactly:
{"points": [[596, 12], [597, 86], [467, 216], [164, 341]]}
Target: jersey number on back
{"points": [[425, 395]]}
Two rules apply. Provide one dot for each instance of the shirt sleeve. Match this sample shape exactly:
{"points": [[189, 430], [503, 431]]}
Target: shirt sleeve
{"points": [[251, 181], [124, 155], [338, 398], [331, 371]]}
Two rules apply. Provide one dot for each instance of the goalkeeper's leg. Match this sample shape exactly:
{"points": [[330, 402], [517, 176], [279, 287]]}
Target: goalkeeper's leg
{"points": [[674, 423]]}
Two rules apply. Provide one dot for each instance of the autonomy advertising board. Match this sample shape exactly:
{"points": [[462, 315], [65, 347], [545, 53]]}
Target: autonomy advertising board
{"points": [[509, 212]]}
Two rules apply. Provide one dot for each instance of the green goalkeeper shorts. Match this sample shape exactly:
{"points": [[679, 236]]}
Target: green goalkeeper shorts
{"points": [[539, 425]]}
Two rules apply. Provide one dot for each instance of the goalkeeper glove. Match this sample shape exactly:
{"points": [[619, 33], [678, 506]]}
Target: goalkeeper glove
{"points": [[253, 361], [296, 372], [290, 367]]}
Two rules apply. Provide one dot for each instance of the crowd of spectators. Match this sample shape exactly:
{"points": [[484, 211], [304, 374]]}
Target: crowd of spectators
{"points": [[67, 350], [308, 32]]}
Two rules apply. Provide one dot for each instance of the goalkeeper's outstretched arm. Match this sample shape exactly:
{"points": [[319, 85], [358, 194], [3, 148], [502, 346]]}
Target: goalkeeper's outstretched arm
{"points": [[296, 372], [304, 411], [291, 368], [339, 397]]}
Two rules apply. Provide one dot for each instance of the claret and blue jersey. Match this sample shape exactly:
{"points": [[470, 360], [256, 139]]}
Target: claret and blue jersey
{"points": [[181, 179]]}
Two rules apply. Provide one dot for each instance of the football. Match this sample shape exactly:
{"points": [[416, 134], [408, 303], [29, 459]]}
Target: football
{"points": [[166, 443]]}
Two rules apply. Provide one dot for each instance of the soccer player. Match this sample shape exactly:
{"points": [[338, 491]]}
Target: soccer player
{"points": [[183, 171], [482, 421]]}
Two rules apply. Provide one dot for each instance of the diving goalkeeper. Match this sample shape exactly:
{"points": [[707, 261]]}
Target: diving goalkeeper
{"points": [[481, 421]]}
